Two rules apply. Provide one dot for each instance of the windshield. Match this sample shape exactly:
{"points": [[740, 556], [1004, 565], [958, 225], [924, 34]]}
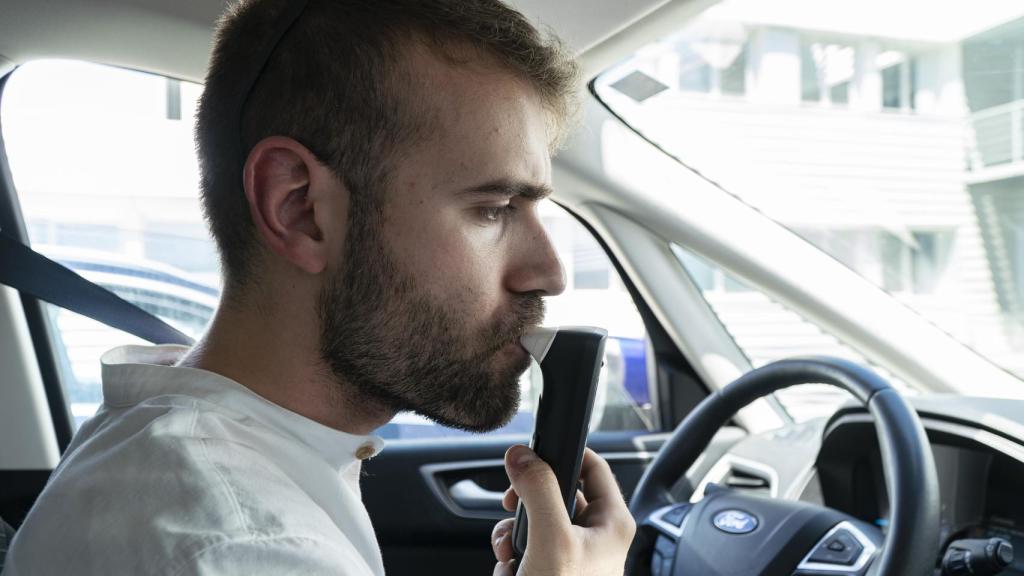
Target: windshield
{"points": [[890, 134]]}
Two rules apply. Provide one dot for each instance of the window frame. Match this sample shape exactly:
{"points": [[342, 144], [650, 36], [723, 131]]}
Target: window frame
{"points": [[672, 397]]}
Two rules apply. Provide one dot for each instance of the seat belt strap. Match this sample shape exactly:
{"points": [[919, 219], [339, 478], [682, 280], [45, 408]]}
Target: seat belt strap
{"points": [[32, 273]]}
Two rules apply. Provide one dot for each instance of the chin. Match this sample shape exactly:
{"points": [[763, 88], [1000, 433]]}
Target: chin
{"points": [[489, 418], [483, 413], [487, 403]]}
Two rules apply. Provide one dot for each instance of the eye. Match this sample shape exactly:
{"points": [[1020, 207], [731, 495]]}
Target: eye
{"points": [[497, 213]]}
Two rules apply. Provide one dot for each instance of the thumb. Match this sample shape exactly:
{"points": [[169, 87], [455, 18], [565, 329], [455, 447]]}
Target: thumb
{"points": [[537, 487]]}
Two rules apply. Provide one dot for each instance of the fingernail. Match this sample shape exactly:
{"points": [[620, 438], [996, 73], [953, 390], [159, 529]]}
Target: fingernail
{"points": [[499, 540], [501, 533], [520, 456]]}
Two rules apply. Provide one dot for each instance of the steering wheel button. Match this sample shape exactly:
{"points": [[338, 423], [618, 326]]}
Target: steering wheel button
{"points": [[675, 516], [665, 547], [840, 548], [657, 563]]}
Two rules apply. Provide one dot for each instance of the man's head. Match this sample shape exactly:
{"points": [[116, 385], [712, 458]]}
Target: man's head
{"points": [[395, 151]]}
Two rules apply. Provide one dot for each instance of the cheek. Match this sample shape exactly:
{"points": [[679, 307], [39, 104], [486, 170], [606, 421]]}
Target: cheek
{"points": [[459, 265], [466, 276]]}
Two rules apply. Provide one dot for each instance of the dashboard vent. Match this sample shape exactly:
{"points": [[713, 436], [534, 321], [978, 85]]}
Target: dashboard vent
{"points": [[746, 481]]}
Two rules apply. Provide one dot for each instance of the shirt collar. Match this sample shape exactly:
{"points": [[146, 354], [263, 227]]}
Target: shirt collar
{"points": [[132, 374]]}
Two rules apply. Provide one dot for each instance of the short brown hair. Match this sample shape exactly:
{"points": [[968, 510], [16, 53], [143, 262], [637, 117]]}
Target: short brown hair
{"points": [[331, 83]]}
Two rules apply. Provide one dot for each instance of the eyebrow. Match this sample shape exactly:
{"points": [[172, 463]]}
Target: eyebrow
{"points": [[512, 188]]}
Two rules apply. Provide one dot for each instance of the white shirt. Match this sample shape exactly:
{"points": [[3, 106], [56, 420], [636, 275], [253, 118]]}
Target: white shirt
{"points": [[183, 471]]}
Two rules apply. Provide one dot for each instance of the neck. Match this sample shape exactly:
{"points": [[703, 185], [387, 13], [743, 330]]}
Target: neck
{"points": [[274, 353]]}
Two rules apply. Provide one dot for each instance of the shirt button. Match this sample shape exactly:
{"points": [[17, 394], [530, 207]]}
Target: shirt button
{"points": [[365, 451]]}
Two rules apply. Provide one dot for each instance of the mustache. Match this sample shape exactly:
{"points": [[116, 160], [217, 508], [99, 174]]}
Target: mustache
{"points": [[526, 312]]}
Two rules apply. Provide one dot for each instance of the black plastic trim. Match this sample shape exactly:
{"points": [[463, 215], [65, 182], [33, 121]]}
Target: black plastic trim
{"points": [[39, 326]]}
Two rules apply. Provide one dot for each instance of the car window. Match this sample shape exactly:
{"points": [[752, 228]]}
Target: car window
{"points": [[892, 141], [104, 166], [766, 330]]}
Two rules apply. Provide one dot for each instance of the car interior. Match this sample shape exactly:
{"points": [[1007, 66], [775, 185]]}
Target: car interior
{"points": [[800, 222]]}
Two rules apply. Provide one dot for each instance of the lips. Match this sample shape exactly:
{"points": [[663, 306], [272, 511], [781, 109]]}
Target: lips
{"points": [[525, 312]]}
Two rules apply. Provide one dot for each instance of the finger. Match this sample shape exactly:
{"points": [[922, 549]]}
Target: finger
{"points": [[598, 480], [505, 568], [537, 487], [605, 504], [501, 540], [581, 502], [510, 500]]}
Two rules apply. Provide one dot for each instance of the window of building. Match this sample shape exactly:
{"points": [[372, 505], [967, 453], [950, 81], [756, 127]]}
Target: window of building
{"points": [[712, 69], [994, 85], [929, 257], [898, 72], [708, 277], [694, 73], [994, 66], [711, 57], [891, 86], [826, 71], [734, 77], [909, 261]]}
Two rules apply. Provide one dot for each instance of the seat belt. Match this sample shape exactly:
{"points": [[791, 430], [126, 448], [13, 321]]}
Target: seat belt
{"points": [[29, 272]]}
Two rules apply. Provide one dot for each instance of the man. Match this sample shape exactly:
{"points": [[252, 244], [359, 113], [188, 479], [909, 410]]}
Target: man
{"points": [[371, 172]]}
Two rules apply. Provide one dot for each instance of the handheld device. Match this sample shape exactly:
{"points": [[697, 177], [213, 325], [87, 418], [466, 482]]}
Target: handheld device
{"points": [[570, 360]]}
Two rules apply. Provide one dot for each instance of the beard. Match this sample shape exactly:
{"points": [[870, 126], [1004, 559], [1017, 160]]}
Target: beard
{"points": [[398, 345]]}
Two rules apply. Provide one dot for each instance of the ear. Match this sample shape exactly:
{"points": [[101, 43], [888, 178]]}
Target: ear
{"points": [[294, 200]]}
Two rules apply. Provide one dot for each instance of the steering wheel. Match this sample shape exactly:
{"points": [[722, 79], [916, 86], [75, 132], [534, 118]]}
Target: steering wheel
{"points": [[729, 533]]}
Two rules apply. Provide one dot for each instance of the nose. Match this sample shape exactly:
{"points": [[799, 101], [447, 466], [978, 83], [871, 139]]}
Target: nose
{"points": [[537, 267]]}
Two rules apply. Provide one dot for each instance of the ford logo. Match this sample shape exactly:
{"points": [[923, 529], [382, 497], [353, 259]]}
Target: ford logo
{"points": [[735, 522]]}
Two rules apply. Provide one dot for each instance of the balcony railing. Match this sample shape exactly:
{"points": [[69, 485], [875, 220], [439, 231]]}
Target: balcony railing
{"points": [[998, 135]]}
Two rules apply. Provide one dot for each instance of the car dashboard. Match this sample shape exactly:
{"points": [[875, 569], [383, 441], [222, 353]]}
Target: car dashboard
{"points": [[978, 447]]}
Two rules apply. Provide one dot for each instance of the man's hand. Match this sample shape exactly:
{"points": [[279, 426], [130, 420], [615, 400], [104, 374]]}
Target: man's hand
{"points": [[594, 545]]}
